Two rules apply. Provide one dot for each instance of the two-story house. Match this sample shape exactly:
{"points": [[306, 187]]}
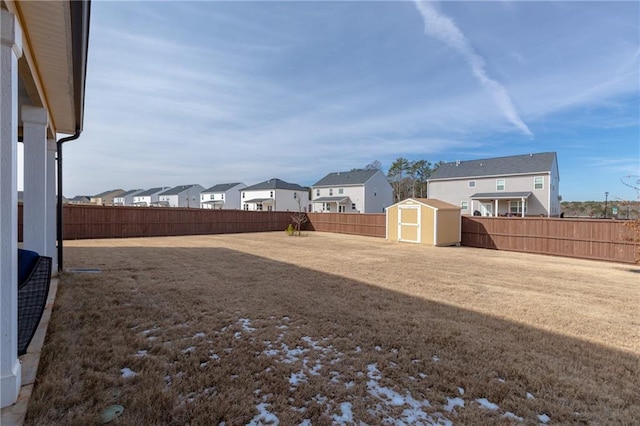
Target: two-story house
{"points": [[519, 185], [357, 191], [126, 198], [106, 198], [222, 196], [148, 197], [181, 196], [275, 195]]}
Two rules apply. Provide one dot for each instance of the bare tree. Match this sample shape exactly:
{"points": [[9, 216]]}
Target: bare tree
{"points": [[299, 219]]}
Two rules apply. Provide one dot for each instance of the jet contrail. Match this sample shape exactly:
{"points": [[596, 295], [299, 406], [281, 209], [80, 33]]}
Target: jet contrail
{"points": [[444, 29]]}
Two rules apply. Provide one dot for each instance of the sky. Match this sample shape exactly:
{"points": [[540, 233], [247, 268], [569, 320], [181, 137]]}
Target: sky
{"points": [[213, 92]]}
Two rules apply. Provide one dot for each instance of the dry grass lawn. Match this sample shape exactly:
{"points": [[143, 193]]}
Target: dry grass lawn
{"points": [[335, 329]]}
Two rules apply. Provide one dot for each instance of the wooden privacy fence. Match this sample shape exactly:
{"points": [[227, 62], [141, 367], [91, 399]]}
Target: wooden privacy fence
{"points": [[586, 239], [371, 225], [84, 221]]}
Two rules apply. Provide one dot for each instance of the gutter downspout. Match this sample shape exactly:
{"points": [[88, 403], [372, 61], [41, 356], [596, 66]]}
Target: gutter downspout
{"points": [[59, 216]]}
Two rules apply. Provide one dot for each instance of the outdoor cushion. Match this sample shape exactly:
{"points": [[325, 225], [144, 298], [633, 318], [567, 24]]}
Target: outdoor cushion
{"points": [[26, 261]]}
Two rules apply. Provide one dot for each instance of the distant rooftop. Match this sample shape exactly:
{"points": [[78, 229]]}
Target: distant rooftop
{"points": [[222, 187], [354, 177], [275, 184], [177, 189], [152, 191]]}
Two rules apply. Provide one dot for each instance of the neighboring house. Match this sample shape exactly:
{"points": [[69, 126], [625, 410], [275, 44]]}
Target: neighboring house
{"points": [[222, 196], [181, 196], [148, 197], [357, 191], [106, 198], [79, 199], [519, 185], [126, 198], [275, 195]]}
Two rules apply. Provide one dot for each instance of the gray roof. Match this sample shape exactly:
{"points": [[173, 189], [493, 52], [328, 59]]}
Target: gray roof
{"points": [[354, 177], [513, 165], [500, 195], [330, 199], [177, 189], [221, 187], [109, 192], [132, 191], [275, 184], [151, 191], [258, 200]]}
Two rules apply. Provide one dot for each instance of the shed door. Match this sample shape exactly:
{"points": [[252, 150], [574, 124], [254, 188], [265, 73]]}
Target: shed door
{"points": [[409, 224]]}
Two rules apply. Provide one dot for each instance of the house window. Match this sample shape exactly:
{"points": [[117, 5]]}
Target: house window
{"points": [[515, 207], [330, 192], [295, 195], [222, 196], [353, 206], [259, 206], [464, 205], [270, 194], [538, 182], [317, 192], [472, 184], [340, 190], [246, 206], [327, 207], [243, 195], [499, 184]]}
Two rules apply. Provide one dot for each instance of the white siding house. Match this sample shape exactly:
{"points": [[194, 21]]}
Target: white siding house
{"points": [[148, 197], [519, 185], [222, 196], [357, 191], [181, 196], [275, 195], [126, 199]]}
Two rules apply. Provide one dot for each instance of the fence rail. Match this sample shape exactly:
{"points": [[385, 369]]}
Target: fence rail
{"points": [[371, 225], [582, 238], [586, 239]]}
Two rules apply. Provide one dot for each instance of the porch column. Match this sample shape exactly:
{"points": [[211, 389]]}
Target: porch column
{"points": [[523, 205], [10, 51], [51, 205], [35, 214], [495, 212]]}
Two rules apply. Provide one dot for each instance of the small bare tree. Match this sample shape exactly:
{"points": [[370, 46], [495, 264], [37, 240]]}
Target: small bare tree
{"points": [[299, 219], [633, 182]]}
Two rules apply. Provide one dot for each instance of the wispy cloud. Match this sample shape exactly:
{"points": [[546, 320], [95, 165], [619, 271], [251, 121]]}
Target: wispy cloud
{"points": [[444, 29]]}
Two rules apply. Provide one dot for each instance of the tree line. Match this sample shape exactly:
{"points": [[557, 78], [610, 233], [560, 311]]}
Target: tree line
{"points": [[408, 178]]}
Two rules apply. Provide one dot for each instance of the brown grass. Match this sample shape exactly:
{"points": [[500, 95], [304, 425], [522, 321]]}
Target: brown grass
{"points": [[228, 322]]}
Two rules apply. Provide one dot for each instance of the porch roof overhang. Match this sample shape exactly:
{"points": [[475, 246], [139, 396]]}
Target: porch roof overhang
{"points": [[213, 202], [260, 200], [500, 195], [53, 65], [331, 200]]}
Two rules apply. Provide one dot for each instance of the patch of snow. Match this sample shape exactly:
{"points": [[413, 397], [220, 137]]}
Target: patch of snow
{"points": [[435, 358], [453, 403], [484, 403], [305, 422], [296, 378], [461, 391], [501, 380], [203, 364], [149, 331], [141, 354], [214, 357], [286, 318], [422, 375], [237, 335], [282, 327], [394, 351], [246, 324], [271, 352], [152, 338], [358, 349], [127, 373], [544, 418], [346, 416], [189, 349], [530, 396], [510, 415], [377, 348], [350, 384], [321, 400], [264, 417], [199, 335]]}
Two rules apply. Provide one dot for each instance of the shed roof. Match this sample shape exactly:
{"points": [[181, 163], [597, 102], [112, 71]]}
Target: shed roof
{"points": [[429, 202], [354, 177], [512, 165]]}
